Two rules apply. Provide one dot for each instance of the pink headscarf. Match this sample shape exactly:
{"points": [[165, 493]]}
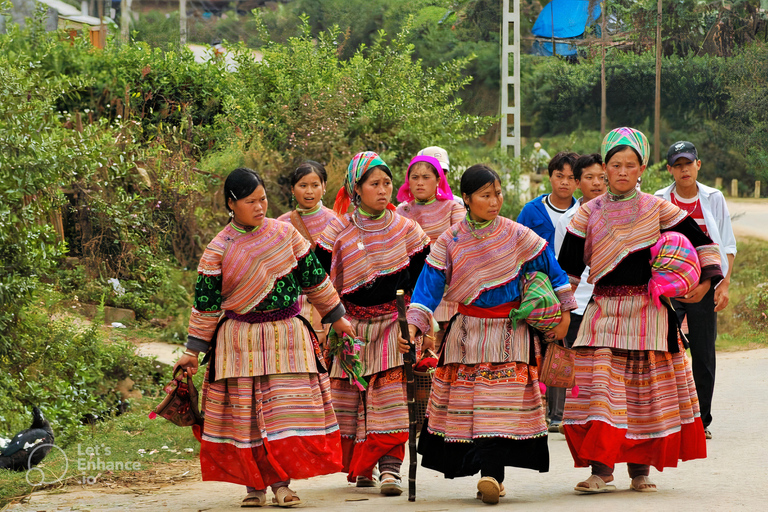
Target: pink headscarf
{"points": [[443, 192]]}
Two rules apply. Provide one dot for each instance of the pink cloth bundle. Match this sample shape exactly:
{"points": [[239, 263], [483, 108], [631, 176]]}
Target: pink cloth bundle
{"points": [[675, 269]]}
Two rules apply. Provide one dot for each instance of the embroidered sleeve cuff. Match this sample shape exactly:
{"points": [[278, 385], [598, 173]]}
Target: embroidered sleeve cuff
{"points": [[197, 345], [567, 300], [336, 313], [420, 316], [713, 273]]}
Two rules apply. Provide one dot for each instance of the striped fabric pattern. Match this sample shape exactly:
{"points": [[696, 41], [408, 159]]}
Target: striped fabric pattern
{"points": [[254, 262], [246, 411], [649, 394], [244, 349], [380, 351], [486, 400], [384, 410], [434, 219], [540, 306], [675, 267], [473, 340], [630, 322], [386, 249], [315, 222], [473, 265], [614, 229]]}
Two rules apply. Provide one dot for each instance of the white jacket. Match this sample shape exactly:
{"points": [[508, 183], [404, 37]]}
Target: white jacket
{"points": [[584, 290], [716, 218]]}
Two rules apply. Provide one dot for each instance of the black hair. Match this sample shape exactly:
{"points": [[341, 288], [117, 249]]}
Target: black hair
{"points": [[619, 149], [241, 183], [559, 161], [308, 167], [476, 177], [368, 173], [423, 163], [585, 161]]}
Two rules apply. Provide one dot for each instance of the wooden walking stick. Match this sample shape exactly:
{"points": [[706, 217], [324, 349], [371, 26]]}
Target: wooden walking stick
{"points": [[409, 358]]}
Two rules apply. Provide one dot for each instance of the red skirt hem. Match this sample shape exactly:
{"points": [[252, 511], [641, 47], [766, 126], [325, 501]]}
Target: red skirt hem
{"points": [[604, 443], [272, 462], [360, 458]]}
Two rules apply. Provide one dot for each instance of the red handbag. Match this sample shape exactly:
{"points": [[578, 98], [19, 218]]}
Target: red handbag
{"points": [[180, 407]]}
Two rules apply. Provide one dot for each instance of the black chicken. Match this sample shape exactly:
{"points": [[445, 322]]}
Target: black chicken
{"points": [[37, 440]]}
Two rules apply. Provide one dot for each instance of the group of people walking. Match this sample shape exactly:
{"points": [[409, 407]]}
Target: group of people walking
{"points": [[278, 408]]}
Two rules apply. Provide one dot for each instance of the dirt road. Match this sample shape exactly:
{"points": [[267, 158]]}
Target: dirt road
{"points": [[733, 477]]}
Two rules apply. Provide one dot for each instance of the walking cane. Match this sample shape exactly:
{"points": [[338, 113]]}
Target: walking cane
{"points": [[409, 358]]}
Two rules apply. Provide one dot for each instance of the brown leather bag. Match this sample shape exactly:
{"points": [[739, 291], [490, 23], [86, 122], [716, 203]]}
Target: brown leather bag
{"points": [[298, 223], [557, 369], [180, 407]]}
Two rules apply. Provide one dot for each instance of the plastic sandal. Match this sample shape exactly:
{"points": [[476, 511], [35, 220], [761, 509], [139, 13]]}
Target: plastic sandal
{"points": [[390, 485], [489, 490], [502, 492], [280, 498], [595, 485], [255, 499], [641, 480]]}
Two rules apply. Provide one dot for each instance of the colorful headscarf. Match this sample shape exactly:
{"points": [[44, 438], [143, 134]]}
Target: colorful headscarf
{"points": [[443, 192], [627, 137], [675, 269], [358, 166]]}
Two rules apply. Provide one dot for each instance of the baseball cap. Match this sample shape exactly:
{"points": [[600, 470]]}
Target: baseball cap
{"points": [[439, 153], [682, 149]]}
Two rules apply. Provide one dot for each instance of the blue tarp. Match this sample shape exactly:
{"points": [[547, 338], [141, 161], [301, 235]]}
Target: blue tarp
{"points": [[570, 18]]}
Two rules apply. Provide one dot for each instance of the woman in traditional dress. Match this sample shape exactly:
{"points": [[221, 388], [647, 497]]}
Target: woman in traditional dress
{"points": [[370, 253], [637, 402], [310, 218], [427, 198], [485, 410], [266, 396]]}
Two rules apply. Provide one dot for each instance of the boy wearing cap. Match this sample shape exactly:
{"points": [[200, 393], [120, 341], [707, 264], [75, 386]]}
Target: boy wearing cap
{"points": [[707, 207]]}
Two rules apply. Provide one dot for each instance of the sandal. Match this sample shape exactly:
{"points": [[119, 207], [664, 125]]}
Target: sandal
{"points": [[282, 496], [502, 492], [489, 490], [255, 499], [364, 481], [642, 484], [390, 485], [593, 485]]}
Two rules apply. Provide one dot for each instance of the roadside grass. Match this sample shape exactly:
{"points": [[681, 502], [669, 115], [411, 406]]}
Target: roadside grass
{"points": [[131, 441], [743, 324]]}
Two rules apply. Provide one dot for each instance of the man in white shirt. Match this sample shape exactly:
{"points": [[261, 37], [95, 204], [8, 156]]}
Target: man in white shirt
{"points": [[590, 176], [707, 207]]}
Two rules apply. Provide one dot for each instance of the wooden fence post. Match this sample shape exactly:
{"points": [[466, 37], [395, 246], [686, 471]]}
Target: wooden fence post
{"points": [[734, 188], [719, 183], [757, 190]]}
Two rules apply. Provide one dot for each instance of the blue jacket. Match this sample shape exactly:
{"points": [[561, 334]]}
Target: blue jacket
{"points": [[534, 215]]}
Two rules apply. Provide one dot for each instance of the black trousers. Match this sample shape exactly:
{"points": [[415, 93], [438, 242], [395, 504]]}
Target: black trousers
{"points": [[702, 333], [556, 396]]}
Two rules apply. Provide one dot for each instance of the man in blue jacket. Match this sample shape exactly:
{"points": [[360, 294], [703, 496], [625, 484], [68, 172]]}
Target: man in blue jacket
{"points": [[542, 215]]}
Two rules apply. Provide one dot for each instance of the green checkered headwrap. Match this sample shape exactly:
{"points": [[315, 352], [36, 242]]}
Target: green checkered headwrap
{"points": [[627, 137]]}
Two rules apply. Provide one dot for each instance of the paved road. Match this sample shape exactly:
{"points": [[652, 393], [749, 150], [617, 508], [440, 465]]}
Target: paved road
{"points": [[749, 217], [733, 477]]}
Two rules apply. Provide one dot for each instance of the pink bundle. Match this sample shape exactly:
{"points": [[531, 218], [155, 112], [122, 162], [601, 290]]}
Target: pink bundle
{"points": [[675, 269]]}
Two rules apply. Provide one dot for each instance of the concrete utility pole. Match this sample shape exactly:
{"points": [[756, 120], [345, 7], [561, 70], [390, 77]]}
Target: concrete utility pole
{"points": [[125, 20], [510, 21], [603, 96], [183, 21], [657, 109]]}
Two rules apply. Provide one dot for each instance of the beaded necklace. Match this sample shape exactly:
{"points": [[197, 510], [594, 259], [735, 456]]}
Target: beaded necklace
{"points": [[361, 229], [309, 211], [243, 229], [477, 225]]}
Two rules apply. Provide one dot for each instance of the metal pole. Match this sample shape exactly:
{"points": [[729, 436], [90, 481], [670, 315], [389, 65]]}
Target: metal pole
{"points": [[657, 109], [603, 97], [552, 15], [183, 21]]}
